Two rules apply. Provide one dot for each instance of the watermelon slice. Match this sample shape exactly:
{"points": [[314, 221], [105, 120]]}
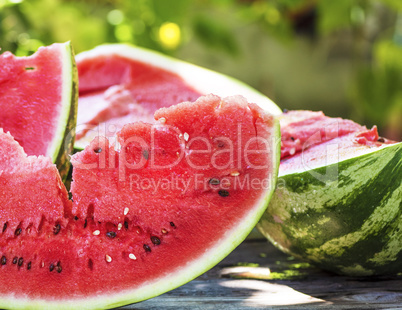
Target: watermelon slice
{"points": [[159, 208], [120, 84], [38, 101], [339, 196]]}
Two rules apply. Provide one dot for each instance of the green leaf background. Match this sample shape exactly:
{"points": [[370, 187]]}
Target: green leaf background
{"points": [[343, 57]]}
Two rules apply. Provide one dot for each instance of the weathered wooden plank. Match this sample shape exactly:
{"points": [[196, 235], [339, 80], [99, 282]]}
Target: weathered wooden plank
{"points": [[291, 285]]}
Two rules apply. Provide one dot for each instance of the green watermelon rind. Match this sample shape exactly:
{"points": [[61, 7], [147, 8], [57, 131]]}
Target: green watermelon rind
{"points": [[351, 226], [187, 273], [63, 143], [201, 79]]}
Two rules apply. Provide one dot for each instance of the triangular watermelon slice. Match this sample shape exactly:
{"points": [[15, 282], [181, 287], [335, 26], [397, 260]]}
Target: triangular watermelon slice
{"points": [[168, 204], [38, 101]]}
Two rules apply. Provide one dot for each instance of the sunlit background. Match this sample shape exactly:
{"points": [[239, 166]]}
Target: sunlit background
{"points": [[340, 56]]}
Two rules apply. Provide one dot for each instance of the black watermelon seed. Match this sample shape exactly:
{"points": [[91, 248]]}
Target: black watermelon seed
{"points": [[76, 218], [111, 234], [125, 224], [381, 139], [58, 267], [98, 150], [223, 193], [29, 266], [90, 264], [155, 240], [291, 138], [18, 231], [172, 224], [20, 261], [56, 229], [145, 153], [214, 181], [51, 267], [221, 144], [15, 260], [85, 223], [4, 227], [3, 260], [147, 248]]}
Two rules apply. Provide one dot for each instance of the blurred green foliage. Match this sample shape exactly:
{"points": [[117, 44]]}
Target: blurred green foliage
{"points": [[375, 27]]}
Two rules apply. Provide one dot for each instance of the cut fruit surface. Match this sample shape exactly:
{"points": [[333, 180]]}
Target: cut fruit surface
{"points": [[48, 199], [303, 129], [339, 196], [38, 101], [170, 203], [120, 84]]}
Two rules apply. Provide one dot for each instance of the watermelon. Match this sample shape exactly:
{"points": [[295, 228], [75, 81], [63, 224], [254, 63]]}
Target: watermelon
{"points": [[120, 84], [339, 196], [38, 101], [121, 75], [150, 211]]}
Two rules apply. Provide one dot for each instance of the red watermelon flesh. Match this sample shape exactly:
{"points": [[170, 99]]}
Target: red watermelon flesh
{"points": [[127, 239], [115, 90], [26, 204], [302, 129], [31, 97], [311, 139]]}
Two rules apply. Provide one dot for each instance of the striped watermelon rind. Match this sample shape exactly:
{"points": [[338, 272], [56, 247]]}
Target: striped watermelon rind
{"points": [[63, 143], [349, 223]]}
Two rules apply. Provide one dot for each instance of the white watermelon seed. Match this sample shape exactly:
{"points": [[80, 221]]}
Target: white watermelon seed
{"points": [[126, 210], [96, 233], [132, 256], [108, 258], [162, 120], [119, 226], [235, 173], [186, 136], [292, 151]]}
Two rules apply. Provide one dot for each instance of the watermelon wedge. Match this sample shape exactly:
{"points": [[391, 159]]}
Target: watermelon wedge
{"points": [[167, 202], [120, 84], [339, 196], [38, 101]]}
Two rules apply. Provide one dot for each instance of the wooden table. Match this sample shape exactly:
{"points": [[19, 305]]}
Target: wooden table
{"points": [[290, 284]]}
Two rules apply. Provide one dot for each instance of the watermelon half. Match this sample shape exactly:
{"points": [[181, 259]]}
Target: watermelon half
{"points": [[339, 197], [162, 205], [120, 84], [38, 101]]}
